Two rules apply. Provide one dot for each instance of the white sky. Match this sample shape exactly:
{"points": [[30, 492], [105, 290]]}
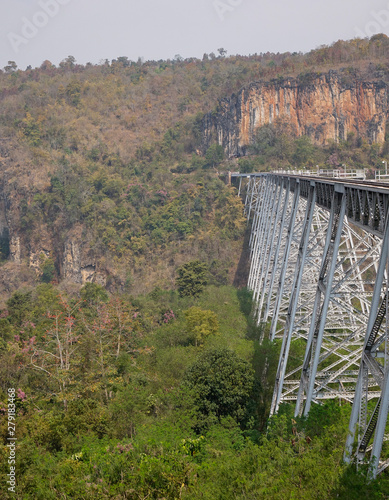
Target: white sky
{"points": [[95, 30]]}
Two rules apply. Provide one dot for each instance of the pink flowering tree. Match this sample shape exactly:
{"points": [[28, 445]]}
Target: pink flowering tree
{"points": [[56, 353]]}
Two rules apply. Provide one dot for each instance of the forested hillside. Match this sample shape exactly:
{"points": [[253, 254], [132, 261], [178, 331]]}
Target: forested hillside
{"points": [[107, 163], [125, 327]]}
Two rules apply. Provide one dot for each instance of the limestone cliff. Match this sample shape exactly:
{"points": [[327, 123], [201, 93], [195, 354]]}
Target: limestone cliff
{"points": [[323, 107]]}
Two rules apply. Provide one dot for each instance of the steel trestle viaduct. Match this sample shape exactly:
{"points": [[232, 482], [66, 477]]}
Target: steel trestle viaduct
{"points": [[319, 276]]}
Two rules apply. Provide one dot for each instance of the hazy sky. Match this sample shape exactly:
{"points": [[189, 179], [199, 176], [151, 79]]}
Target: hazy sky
{"points": [[94, 30]]}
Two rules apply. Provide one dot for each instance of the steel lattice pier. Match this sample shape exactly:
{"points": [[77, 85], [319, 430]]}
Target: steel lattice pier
{"points": [[319, 276]]}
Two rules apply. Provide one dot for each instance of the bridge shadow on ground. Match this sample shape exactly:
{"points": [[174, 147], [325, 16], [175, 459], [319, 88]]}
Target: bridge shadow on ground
{"points": [[243, 269], [245, 297], [264, 362], [266, 353]]}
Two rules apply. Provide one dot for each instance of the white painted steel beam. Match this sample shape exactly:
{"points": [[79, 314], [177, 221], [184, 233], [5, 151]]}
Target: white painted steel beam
{"points": [[319, 252]]}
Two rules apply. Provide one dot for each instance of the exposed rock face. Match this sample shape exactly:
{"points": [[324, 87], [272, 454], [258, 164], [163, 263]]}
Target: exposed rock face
{"points": [[36, 259], [14, 249], [74, 269], [323, 108], [78, 264]]}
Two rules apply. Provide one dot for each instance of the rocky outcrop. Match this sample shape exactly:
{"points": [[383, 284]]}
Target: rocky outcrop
{"points": [[324, 107], [36, 260], [78, 264], [15, 249]]}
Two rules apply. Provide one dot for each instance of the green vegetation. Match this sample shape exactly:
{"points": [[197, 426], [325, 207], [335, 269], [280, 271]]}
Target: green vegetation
{"points": [[192, 278], [222, 384], [201, 324], [214, 155], [276, 146], [134, 409]]}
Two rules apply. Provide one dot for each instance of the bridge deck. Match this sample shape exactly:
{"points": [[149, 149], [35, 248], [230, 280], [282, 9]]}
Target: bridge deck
{"points": [[367, 201]]}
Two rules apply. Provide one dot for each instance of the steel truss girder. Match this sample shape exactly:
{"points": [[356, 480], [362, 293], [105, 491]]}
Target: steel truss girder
{"points": [[322, 243], [375, 362]]}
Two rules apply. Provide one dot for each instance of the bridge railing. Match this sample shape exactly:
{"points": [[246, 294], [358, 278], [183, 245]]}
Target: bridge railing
{"points": [[381, 177], [340, 174]]}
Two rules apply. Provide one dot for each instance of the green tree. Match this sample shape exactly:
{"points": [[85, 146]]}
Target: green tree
{"points": [[192, 278], [222, 383], [214, 155], [201, 324], [304, 151], [73, 93], [48, 270], [31, 129], [19, 306], [93, 293], [11, 67], [246, 166], [69, 62], [264, 140]]}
